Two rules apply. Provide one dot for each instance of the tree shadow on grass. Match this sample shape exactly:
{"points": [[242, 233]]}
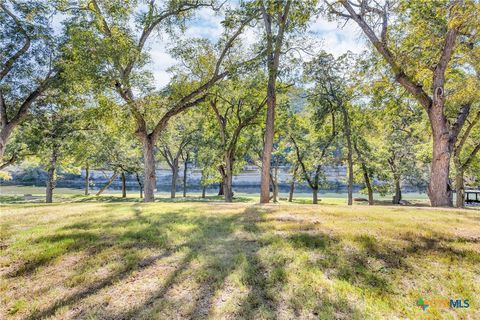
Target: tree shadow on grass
{"points": [[213, 239], [48, 252], [443, 246], [354, 266], [370, 264], [209, 229], [97, 286], [220, 251]]}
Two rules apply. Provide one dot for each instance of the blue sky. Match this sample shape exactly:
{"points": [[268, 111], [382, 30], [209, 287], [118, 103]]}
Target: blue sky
{"points": [[335, 39]]}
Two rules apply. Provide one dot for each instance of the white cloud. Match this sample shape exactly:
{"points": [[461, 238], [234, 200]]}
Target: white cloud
{"points": [[206, 24], [337, 39], [161, 61]]}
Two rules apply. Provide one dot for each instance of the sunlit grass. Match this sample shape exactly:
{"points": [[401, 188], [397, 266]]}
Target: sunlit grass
{"points": [[242, 260]]}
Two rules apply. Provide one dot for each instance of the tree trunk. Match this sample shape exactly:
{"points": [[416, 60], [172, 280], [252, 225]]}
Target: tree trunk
{"points": [[398, 191], [124, 185], [5, 133], [274, 45], [140, 187], [292, 184], [220, 188], [50, 185], [315, 196], [350, 177], [150, 182], [185, 168], [460, 189], [51, 176], [228, 177], [366, 176], [268, 144], [368, 184], [275, 184], [105, 187], [292, 190], [346, 125], [272, 187], [204, 191], [87, 178], [439, 189], [173, 189]]}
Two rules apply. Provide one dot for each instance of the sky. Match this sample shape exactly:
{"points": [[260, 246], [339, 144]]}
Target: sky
{"points": [[335, 39]]}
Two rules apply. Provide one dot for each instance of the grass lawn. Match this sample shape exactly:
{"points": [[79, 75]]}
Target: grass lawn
{"points": [[16, 194], [167, 260]]}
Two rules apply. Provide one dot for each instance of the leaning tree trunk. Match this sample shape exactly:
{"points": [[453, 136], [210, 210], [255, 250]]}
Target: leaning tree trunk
{"points": [[51, 177], [105, 187], [439, 190], [315, 196], [149, 183], [398, 191], [87, 178], [173, 189], [460, 189], [124, 185]]}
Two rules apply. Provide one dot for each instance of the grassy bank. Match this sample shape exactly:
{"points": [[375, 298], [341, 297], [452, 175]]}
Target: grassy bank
{"points": [[213, 260]]}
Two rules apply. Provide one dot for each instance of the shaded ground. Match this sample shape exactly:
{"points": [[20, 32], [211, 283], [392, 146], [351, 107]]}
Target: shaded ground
{"points": [[223, 261]]}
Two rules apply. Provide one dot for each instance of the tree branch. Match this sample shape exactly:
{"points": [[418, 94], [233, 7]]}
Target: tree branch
{"points": [[186, 102], [459, 122], [23, 110], [414, 88], [7, 66]]}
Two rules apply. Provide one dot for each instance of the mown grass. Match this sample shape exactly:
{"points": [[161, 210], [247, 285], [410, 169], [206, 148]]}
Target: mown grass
{"points": [[119, 260]]}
